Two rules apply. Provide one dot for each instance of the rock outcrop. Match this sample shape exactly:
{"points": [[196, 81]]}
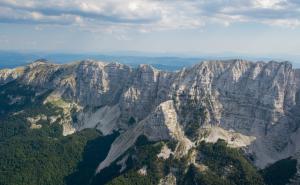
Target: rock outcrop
{"points": [[7, 75], [161, 124]]}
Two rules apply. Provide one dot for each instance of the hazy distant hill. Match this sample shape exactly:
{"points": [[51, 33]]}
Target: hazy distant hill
{"points": [[13, 59], [164, 62]]}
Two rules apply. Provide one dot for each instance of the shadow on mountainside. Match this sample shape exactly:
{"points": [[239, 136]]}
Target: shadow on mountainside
{"points": [[95, 151]]}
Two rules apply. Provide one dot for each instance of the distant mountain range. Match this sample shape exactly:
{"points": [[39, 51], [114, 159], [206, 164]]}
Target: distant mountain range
{"points": [[169, 62]]}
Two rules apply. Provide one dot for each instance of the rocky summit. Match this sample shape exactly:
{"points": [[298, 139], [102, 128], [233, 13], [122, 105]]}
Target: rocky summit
{"points": [[252, 106]]}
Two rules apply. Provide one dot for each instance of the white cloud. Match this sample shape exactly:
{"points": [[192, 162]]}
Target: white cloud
{"points": [[147, 15], [292, 23], [270, 4]]}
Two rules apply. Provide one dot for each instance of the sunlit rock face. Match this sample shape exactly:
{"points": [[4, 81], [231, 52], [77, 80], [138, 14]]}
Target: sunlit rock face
{"points": [[7, 75], [255, 99], [260, 101]]}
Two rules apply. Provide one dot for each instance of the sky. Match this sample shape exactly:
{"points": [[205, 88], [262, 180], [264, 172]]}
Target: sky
{"points": [[191, 27]]}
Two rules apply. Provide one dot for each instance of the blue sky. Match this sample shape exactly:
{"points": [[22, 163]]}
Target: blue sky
{"points": [[191, 27]]}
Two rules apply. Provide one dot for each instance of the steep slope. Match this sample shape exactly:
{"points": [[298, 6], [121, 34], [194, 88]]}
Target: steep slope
{"points": [[160, 125]]}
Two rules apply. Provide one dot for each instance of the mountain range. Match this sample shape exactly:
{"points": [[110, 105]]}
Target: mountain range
{"points": [[92, 122]]}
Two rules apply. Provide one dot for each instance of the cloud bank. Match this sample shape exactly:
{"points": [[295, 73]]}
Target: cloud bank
{"points": [[148, 15]]}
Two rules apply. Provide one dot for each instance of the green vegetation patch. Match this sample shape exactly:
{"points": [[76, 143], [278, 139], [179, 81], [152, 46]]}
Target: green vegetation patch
{"points": [[280, 172], [223, 166], [227, 165], [144, 154]]}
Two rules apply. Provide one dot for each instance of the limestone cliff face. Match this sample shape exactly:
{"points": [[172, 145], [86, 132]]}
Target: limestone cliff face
{"points": [[147, 88], [255, 99], [258, 100]]}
